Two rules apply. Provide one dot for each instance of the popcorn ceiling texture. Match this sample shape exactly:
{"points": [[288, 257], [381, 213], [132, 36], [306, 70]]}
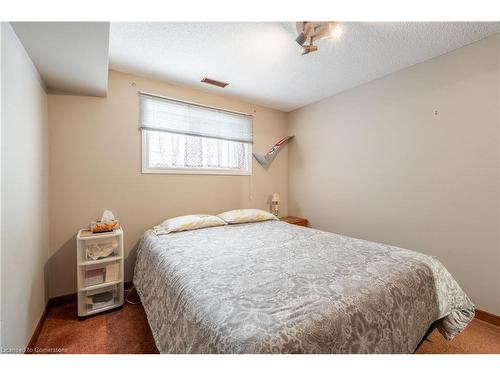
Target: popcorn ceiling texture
{"points": [[262, 61]]}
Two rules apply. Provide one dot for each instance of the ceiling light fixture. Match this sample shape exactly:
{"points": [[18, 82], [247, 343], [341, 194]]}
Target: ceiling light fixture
{"points": [[315, 31]]}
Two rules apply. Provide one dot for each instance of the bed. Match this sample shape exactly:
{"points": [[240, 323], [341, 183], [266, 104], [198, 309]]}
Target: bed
{"points": [[273, 287]]}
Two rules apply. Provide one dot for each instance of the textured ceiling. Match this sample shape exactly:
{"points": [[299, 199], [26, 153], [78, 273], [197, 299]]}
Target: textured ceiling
{"points": [[262, 62], [72, 57]]}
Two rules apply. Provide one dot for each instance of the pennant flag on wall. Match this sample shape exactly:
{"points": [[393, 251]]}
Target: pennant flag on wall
{"points": [[266, 159]]}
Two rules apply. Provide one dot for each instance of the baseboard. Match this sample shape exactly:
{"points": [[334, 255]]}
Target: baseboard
{"points": [[62, 300], [488, 317], [30, 349]]}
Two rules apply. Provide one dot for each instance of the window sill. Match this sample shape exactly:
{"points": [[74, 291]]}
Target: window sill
{"points": [[196, 172]]}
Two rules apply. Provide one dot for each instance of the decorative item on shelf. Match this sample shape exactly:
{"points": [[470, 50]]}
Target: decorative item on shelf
{"points": [[100, 300], [95, 276], [275, 205], [108, 223], [102, 249], [266, 159]]}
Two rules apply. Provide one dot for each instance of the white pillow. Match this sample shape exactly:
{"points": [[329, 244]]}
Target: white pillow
{"points": [[188, 222], [249, 215]]}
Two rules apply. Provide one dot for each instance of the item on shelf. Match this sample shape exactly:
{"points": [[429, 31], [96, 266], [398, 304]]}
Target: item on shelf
{"points": [[112, 272], [96, 251], [108, 223], [95, 276], [100, 300]]}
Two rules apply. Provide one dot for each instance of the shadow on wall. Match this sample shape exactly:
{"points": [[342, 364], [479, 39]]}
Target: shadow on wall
{"points": [[61, 281], [129, 263]]}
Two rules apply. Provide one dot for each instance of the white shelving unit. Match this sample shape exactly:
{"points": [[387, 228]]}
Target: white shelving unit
{"points": [[100, 281]]}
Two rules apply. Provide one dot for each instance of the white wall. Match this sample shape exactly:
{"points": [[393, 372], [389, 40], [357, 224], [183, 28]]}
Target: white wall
{"points": [[377, 163], [24, 194]]}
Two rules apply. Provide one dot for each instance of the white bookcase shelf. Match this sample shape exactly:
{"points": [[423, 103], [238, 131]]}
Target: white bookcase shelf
{"points": [[100, 271], [99, 261], [99, 286]]}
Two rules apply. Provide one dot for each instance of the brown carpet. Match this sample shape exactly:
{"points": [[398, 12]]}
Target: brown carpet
{"points": [[478, 338], [120, 331], [127, 331]]}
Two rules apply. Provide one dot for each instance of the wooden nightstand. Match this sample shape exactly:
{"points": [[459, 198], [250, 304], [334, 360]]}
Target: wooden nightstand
{"points": [[295, 220]]}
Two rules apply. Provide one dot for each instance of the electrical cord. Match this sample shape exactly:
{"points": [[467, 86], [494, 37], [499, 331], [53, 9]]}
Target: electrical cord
{"points": [[131, 302]]}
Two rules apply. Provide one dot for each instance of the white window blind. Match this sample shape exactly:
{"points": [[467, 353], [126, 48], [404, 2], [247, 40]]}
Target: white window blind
{"points": [[181, 137], [173, 116]]}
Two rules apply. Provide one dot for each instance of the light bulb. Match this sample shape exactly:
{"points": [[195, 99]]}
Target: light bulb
{"points": [[337, 32]]}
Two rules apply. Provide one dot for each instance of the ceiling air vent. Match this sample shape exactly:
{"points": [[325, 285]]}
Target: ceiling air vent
{"points": [[213, 82]]}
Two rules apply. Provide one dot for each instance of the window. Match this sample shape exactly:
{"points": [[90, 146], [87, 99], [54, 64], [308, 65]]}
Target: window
{"points": [[180, 137]]}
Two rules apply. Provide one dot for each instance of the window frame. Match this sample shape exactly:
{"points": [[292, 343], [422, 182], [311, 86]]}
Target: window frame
{"points": [[189, 171]]}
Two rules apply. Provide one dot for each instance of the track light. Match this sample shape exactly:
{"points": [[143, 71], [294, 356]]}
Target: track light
{"points": [[301, 39], [308, 49], [336, 32], [315, 30]]}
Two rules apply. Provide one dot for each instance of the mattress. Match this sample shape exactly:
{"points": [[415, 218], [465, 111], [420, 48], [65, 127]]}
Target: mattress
{"points": [[273, 287]]}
